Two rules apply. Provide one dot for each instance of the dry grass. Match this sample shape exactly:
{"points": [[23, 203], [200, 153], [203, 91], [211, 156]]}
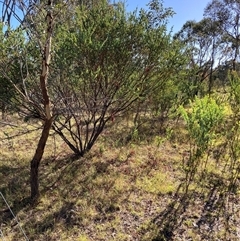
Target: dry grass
{"points": [[124, 189]]}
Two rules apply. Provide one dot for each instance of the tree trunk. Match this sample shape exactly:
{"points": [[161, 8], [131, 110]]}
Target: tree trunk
{"points": [[3, 109], [34, 182], [37, 158]]}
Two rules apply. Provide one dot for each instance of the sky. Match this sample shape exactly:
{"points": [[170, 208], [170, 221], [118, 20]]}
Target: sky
{"points": [[185, 10]]}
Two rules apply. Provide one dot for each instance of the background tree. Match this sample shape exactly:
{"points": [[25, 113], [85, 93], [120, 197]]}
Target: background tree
{"points": [[226, 13], [12, 47], [203, 42]]}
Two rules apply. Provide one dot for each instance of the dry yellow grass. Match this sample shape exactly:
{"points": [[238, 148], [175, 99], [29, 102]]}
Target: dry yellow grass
{"points": [[118, 191]]}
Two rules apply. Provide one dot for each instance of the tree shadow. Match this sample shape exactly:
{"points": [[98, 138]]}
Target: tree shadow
{"points": [[209, 214], [14, 195], [171, 218], [14, 186], [70, 188]]}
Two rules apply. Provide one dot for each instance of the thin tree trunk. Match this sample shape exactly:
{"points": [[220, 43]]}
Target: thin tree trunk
{"points": [[3, 109], [34, 180], [210, 84]]}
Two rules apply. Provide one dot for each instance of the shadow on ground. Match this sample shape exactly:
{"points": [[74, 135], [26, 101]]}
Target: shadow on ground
{"points": [[72, 191], [211, 214]]}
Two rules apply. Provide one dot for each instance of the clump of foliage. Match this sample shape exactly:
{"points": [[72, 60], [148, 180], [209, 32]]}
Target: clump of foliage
{"points": [[106, 61], [11, 71], [203, 118], [233, 132]]}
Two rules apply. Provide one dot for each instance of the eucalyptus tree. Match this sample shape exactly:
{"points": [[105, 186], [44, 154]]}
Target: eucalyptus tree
{"points": [[203, 43], [227, 15], [24, 88]]}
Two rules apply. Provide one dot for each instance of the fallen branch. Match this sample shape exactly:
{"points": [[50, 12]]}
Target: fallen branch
{"points": [[7, 123]]}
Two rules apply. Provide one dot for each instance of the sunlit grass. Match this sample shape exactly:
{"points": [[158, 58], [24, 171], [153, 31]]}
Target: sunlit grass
{"points": [[93, 189], [157, 183], [113, 193]]}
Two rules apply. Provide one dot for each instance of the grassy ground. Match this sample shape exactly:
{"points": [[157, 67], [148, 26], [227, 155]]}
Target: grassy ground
{"points": [[126, 190]]}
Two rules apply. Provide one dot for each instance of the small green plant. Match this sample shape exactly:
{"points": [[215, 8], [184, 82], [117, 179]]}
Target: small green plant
{"points": [[159, 140], [234, 99], [135, 134], [202, 118]]}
